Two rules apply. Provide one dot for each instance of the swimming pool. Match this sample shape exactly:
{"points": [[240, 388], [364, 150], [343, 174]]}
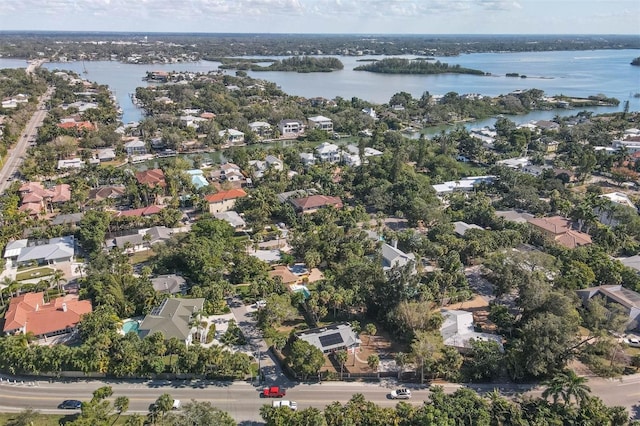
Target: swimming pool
{"points": [[130, 325], [301, 288]]}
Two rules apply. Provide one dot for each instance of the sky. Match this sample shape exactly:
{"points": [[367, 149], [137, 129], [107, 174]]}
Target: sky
{"points": [[326, 16]]}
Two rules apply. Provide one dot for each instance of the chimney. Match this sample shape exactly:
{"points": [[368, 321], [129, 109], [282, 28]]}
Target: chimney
{"points": [[64, 307], [37, 307], [394, 243]]}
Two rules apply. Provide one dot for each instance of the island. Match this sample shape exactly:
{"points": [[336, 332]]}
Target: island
{"points": [[408, 66], [302, 64], [636, 61]]}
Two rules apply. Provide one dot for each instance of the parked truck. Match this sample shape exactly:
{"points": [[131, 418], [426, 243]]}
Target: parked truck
{"points": [[273, 392]]}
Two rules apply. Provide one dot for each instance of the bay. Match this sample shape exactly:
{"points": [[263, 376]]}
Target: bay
{"points": [[573, 73]]}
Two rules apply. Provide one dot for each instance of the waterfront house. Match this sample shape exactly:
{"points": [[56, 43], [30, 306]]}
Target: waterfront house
{"points": [[231, 136], [290, 128], [320, 122]]}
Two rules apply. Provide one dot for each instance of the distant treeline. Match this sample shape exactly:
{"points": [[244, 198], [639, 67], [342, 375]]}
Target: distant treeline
{"points": [[296, 63], [407, 66]]}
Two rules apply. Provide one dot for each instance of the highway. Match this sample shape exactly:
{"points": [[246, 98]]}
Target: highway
{"points": [[14, 158], [242, 399]]}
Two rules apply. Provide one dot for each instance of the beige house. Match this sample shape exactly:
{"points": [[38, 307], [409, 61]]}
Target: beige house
{"points": [[224, 200]]}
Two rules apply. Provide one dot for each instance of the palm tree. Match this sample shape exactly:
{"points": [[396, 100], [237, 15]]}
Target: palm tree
{"points": [[57, 279], [341, 357], [566, 385], [121, 404]]}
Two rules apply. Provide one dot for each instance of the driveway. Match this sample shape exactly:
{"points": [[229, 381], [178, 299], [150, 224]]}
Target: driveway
{"points": [[245, 319]]}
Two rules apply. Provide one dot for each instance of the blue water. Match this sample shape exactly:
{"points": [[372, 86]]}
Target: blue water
{"points": [[575, 73], [129, 326]]}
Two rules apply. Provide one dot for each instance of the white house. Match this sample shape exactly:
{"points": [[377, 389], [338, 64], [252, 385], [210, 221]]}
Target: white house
{"points": [[464, 184], [457, 330], [260, 128], [394, 257], [135, 147], [320, 122], [328, 152], [73, 163], [290, 127], [231, 136], [307, 159]]}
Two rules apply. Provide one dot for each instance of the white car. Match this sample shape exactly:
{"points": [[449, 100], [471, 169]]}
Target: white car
{"points": [[261, 304], [284, 403], [634, 342], [401, 394]]}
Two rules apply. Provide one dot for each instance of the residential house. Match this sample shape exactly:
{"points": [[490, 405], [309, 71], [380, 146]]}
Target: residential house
{"points": [[628, 299], [514, 216], [170, 284], [135, 147], [260, 128], [28, 313], [370, 112], [141, 212], [223, 201], [142, 239], [457, 331], [559, 229], [72, 124], [393, 257], [48, 252], [328, 152], [461, 228], [283, 197], [71, 219], [231, 136], [307, 159], [464, 184], [71, 163], [172, 318], [321, 122], [106, 154], [515, 163], [197, 178], [290, 128], [111, 192], [229, 172], [351, 156], [313, 203], [191, 121], [547, 125], [331, 338], [151, 178], [284, 273], [270, 162], [232, 218], [35, 198]]}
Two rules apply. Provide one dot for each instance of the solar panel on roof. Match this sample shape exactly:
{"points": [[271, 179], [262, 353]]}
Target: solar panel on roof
{"points": [[331, 339]]}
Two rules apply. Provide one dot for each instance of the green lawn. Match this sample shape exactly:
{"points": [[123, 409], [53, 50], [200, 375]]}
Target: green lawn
{"points": [[141, 256], [34, 273]]}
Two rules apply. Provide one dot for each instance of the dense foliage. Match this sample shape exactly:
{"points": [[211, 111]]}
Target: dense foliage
{"points": [[408, 66]]}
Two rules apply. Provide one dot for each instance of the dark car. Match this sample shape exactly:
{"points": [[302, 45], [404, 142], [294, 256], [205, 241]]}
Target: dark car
{"points": [[70, 404]]}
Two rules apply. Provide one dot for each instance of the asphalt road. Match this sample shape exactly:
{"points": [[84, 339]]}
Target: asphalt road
{"points": [[242, 399], [15, 157]]}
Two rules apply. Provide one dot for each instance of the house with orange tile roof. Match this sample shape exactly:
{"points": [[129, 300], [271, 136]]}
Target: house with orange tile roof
{"points": [[77, 125], [28, 313], [141, 212], [315, 202], [35, 198], [223, 201], [151, 178], [285, 274], [560, 230]]}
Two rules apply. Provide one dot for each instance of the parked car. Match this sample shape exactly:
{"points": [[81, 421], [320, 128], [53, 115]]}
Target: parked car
{"points": [[633, 342], [401, 394], [70, 404], [176, 405], [284, 403]]}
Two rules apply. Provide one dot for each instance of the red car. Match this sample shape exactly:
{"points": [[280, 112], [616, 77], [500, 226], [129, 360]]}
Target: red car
{"points": [[273, 392]]}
